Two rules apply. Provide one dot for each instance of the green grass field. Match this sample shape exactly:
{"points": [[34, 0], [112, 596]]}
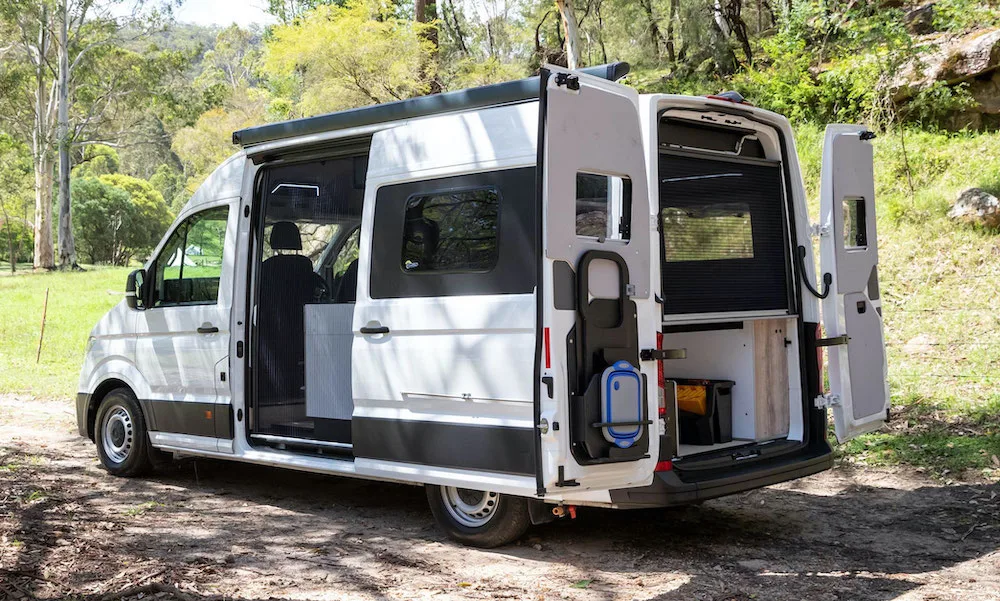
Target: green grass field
{"points": [[939, 293], [76, 301]]}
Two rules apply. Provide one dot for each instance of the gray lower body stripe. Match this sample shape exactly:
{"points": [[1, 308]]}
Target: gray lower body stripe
{"points": [[488, 448], [195, 419]]}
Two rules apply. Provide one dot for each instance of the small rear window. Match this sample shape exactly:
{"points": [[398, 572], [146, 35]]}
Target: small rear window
{"points": [[603, 206]]}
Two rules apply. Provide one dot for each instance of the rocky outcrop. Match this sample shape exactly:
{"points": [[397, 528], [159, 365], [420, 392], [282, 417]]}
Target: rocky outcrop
{"points": [[976, 206], [972, 58]]}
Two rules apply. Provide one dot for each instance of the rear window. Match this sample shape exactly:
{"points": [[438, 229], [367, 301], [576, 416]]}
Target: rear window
{"points": [[713, 232]]}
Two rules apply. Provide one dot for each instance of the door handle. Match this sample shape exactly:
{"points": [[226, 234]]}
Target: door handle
{"points": [[207, 328], [375, 329]]}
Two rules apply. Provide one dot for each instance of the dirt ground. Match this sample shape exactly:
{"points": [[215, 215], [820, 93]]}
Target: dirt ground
{"points": [[216, 530]]}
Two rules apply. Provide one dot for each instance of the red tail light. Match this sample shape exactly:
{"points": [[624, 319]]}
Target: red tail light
{"points": [[663, 466]]}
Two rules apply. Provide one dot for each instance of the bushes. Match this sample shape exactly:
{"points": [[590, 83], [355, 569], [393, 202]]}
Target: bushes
{"points": [[116, 217]]}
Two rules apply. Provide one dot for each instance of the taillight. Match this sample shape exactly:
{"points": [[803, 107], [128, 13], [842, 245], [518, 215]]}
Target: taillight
{"points": [[661, 398], [663, 466]]}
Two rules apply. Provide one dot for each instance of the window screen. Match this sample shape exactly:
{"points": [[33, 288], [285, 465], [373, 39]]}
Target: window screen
{"points": [[455, 236], [189, 266], [723, 238], [451, 231], [603, 206], [712, 232]]}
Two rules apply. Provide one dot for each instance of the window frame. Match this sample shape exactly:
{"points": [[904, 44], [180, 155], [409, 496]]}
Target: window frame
{"points": [[517, 244], [445, 192], [623, 237], [149, 299]]}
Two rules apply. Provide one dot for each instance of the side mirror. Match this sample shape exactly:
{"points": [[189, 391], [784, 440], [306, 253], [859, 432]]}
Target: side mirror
{"points": [[134, 291]]}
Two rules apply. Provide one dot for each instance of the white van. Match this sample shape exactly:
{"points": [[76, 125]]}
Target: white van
{"points": [[527, 297]]}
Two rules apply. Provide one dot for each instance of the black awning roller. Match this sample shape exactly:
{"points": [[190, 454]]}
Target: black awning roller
{"points": [[459, 100]]}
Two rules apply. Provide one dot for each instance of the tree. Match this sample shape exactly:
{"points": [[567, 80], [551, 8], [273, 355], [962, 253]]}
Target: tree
{"points": [[97, 160], [15, 199], [570, 23], [105, 217], [358, 54]]}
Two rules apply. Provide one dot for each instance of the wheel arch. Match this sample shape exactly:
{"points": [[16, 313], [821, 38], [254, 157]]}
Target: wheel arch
{"points": [[97, 397]]}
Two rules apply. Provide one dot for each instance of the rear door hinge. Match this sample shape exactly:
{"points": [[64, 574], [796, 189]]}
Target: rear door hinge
{"points": [[662, 354], [572, 82], [630, 290], [835, 341], [816, 229], [824, 401]]}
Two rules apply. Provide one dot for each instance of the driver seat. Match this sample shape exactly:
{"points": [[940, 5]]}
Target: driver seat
{"points": [[287, 283]]}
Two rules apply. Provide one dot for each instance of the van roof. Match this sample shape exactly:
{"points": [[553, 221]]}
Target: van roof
{"points": [[459, 100]]}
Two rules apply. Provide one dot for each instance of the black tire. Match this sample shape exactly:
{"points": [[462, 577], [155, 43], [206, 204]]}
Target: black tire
{"points": [[506, 519], [126, 450]]}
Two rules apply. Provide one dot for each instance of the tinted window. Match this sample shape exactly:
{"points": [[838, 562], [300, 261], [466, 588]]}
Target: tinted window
{"points": [[451, 231], [189, 266], [603, 206], [455, 236]]}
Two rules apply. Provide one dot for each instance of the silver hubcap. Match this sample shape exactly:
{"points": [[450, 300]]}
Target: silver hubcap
{"points": [[118, 432], [471, 508]]}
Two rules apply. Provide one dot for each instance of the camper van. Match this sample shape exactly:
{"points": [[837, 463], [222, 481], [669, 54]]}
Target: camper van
{"points": [[525, 297]]}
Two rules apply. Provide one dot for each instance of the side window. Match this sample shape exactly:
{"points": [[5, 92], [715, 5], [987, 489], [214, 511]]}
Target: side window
{"points": [[464, 235], [603, 206], [451, 231], [189, 266]]}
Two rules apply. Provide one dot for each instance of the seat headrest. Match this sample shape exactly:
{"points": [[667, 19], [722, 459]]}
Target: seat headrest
{"points": [[285, 236]]}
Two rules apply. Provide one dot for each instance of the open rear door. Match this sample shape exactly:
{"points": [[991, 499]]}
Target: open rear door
{"points": [[594, 409], [852, 312]]}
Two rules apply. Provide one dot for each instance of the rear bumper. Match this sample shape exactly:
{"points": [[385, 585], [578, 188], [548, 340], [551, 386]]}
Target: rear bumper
{"points": [[82, 407], [669, 489]]}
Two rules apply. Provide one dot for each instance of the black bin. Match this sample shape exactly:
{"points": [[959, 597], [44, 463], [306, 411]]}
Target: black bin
{"points": [[715, 424]]}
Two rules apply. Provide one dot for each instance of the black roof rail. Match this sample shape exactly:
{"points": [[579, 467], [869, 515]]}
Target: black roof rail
{"points": [[459, 100]]}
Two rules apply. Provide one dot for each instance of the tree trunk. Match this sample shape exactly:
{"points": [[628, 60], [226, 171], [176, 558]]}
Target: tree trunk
{"points": [[425, 11], [654, 29], [673, 15], [10, 239], [67, 246], [44, 252], [572, 33]]}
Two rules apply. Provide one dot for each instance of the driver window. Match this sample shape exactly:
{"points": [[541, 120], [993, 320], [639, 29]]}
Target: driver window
{"points": [[189, 267]]}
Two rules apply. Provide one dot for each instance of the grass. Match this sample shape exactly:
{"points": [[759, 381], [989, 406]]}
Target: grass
{"points": [[939, 283], [939, 289], [76, 301]]}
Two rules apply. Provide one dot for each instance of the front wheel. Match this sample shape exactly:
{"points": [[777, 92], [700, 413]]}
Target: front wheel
{"points": [[121, 438], [478, 518]]}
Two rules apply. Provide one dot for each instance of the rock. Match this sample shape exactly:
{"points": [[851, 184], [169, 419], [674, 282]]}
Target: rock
{"points": [[976, 206], [949, 58], [920, 20]]}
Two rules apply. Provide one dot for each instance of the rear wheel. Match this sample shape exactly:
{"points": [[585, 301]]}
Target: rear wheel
{"points": [[478, 518], [122, 443]]}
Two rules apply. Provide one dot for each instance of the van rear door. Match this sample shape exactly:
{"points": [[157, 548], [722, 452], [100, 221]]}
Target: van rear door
{"points": [[594, 411], [852, 311]]}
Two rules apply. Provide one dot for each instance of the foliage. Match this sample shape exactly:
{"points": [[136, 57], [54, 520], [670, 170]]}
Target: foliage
{"points": [[15, 200], [103, 216], [170, 184], [98, 159], [358, 54], [117, 217]]}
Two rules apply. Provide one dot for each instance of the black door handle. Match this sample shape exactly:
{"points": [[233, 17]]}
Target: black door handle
{"points": [[207, 328], [374, 330]]}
